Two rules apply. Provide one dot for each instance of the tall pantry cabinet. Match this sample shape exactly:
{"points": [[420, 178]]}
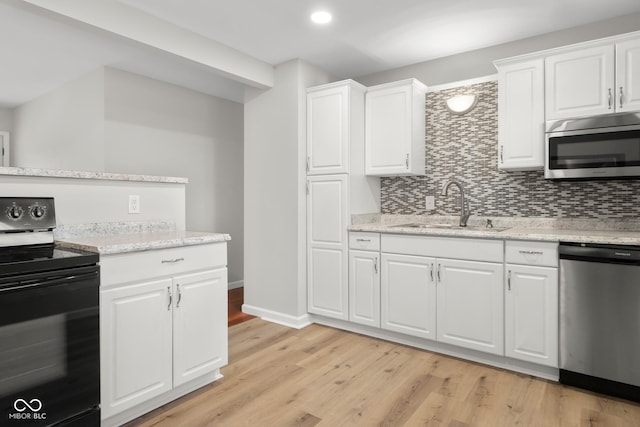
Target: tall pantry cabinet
{"points": [[336, 188]]}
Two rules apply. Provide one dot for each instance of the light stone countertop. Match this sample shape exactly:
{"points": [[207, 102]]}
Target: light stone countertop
{"points": [[107, 176], [623, 232], [136, 242]]}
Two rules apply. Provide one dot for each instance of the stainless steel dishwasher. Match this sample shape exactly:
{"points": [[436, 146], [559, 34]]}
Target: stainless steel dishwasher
{"points": [[600, 318]]}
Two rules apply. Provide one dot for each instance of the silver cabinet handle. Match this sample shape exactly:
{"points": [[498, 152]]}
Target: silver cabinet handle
{"points": [[363, 240], [621, 96], [406, 161], [439, 278], [172, 261], [308, 163], [179, 296], [375, 266], [502, 154], [170, 298], [431, 271], [509, 280], [531, 252], [307, 187], [609, 97]]}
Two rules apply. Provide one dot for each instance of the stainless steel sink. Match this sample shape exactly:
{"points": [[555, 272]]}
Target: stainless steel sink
{"points": [[450, 227]]}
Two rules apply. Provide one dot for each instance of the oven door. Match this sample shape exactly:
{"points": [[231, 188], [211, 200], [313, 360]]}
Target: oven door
{"points": [[49, 347], [594, 153]]}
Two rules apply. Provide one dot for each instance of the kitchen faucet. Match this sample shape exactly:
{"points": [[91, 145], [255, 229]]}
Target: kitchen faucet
{"points": [[464, 206]]}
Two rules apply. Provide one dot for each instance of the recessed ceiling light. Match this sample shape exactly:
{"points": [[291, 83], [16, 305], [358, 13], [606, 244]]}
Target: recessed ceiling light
{"points": [[321, 17]]}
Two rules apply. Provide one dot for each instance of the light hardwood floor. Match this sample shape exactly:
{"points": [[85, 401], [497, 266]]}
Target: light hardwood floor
{"points": [[320, 376]]}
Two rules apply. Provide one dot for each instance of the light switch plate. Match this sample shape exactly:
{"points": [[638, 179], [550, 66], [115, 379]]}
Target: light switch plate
{"points": [[430, 202]]}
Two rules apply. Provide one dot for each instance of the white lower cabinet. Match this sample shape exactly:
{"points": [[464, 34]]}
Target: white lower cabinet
{"points": [[488, 295], [161, 333], [531, 302], [470, 304], [364, 288], [135, 342], [408, 297], [364, 278], [199, 325]]}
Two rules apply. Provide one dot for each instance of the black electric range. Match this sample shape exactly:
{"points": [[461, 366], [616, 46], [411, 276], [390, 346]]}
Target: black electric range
{"points": [[49, 322]]}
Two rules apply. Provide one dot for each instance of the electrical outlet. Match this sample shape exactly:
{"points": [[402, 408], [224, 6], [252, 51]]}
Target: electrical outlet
{"points": [[430, 203], [134, 204]]}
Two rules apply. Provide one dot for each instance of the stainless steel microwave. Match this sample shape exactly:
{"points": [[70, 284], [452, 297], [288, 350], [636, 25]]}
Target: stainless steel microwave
{"points": [[605, 146]]}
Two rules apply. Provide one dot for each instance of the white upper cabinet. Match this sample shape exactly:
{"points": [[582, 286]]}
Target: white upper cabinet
{"points": [[596, 80], [334, 115], [580, 83], [395, 128], [521, 115], [628, 75]]}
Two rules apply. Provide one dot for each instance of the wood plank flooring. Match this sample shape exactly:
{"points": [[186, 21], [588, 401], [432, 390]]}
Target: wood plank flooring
{"points": [[234, 305], [320, 376]]}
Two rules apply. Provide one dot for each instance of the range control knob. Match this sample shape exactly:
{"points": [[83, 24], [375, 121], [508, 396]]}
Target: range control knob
{"points": [[37, 212], [15, 212]]}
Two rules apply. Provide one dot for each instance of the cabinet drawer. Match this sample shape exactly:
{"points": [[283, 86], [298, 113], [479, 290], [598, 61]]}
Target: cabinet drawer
{"points": [[136, 266], [444, 247], [364, 241], [531, 253]]}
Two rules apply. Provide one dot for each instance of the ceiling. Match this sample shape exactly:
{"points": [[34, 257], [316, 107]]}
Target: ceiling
{"points": [[41, 51]]}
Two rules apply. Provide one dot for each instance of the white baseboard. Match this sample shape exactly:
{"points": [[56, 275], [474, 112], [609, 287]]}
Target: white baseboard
{"points": [[288, 320], [237, 284]]}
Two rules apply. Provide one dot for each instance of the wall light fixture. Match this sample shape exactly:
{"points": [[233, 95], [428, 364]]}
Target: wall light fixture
{"points": [[461, 104]]}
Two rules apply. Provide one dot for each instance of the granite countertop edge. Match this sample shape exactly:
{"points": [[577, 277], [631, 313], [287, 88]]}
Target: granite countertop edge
{"points": [[613, 237], [138, 242]]}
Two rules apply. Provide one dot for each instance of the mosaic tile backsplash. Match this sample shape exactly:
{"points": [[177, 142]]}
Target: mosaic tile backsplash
{"points": [[465, 148]]}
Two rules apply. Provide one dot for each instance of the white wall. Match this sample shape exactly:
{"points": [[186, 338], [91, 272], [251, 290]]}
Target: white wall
{"points": [[6, 119], [156, 128], [82, 201], [62, 129], [479, 62], [275, 200], [114, 121]]}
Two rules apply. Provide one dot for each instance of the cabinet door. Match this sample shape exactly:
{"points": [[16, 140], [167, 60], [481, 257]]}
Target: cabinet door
{"points": [[580, 83], [408, 295], [199, 324], [521, 116], [327, 240], [364, 288], [135, 344], [394, 130], [628, 75], [470, 304], [531, 314], [328, 130]]}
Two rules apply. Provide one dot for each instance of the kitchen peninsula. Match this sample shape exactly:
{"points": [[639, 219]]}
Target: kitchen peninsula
{"points": [[163, 289]]}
